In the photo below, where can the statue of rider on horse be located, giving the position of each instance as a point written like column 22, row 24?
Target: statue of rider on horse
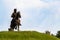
column 15, row 23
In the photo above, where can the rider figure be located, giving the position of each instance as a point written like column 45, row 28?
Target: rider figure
column 15, row 19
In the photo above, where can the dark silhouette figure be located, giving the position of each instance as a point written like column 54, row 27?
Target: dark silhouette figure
column 15, row 20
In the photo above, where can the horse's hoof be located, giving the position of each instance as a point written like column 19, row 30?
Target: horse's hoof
column 10, row 29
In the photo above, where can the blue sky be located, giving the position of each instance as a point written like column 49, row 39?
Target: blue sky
column 38, row 15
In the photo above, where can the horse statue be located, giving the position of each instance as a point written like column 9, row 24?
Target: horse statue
column 15, row 23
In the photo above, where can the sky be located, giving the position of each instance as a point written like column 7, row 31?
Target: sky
column 37, row 15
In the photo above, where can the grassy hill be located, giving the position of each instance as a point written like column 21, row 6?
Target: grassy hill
column 25, row 35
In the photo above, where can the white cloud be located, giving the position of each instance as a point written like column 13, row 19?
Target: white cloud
column 25, row 3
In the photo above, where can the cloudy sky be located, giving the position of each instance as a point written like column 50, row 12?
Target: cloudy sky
column 38, row 15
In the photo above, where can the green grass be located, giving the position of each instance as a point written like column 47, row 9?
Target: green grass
column 25, row 35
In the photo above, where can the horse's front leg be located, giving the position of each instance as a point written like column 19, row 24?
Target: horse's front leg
column 18, row 27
